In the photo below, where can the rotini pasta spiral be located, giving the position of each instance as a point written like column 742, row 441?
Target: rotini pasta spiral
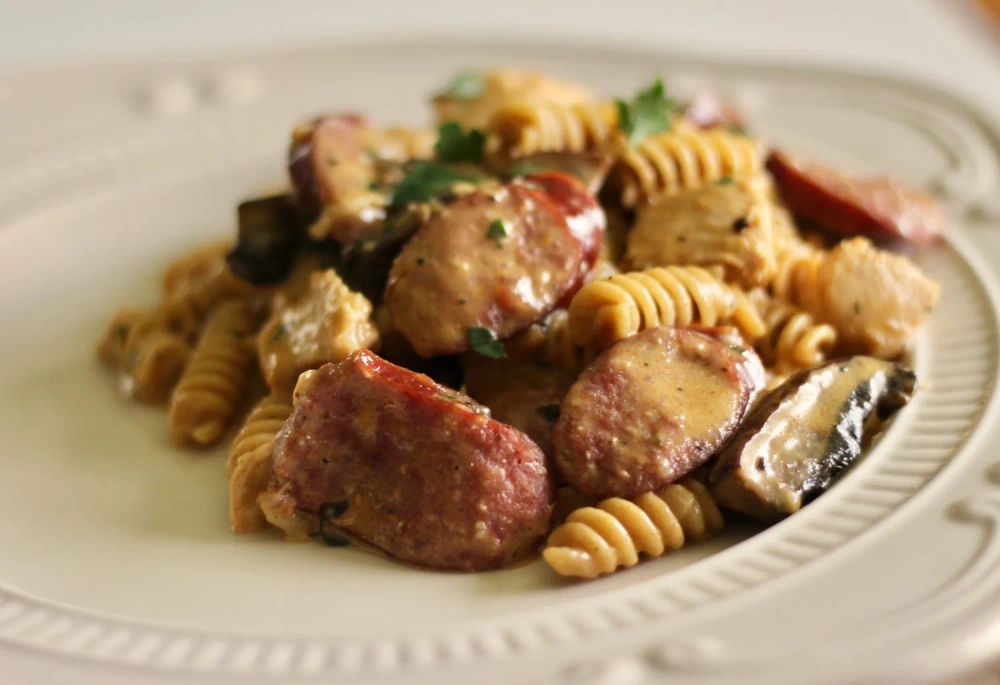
column 213, row 385
column 193, row 286
column 604, row 312
column 149, row 357
column 796, row 276
column 249, row 464
column 597, row 540
column 794, row 339
column 681, row 159
column 494, row 89
column 526, row 127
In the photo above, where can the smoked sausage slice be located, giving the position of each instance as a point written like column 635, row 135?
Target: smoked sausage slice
column 879, row 208
column 414, row 468
column 651, row 409
column 498, row 258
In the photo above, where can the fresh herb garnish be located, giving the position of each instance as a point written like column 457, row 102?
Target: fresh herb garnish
column 549, row 412
column 738, row 348
column 464, row 86
column 647, row 113
column 497, row 231
column 738, row 129
column 455, row 145
column 121, row 332
column 328, row 511
column 725, row 181
column 448, row 396
column 485, row 343
column 658, row 441
column 424, row 181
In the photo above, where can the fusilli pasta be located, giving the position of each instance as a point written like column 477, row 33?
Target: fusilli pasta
column 604, row 312
column 597, row 540
column 491, row 90
column 526, row 127
column 794, row 339
column 212, row 387
column 193, row 286
column 681, row 159
column 149, row 357
column 249, row 464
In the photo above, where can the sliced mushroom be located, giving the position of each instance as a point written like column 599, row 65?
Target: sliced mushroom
column 805, row 433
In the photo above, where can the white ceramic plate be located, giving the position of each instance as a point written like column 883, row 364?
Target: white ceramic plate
column 116, row 561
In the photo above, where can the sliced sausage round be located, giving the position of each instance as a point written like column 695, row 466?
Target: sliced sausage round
column 415, row 469
column 651, row 409
column 878, row 208
column 327, row 160
column 583, row 214
column 498, row 259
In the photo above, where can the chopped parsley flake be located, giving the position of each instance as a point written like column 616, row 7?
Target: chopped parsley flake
column 647, row 113
column 485, row 343
column 738, row 129
column 465, row 85
column 328, row 511
column 455, row 145
column 121, row 332
column 725, row 181
column 424, row 181
column 738, row 348
column 549, row 412
column 497, row 231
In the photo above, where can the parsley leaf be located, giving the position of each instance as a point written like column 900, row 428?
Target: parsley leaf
column 497, row 231
column 647, row 113
column 424, row 181
column 465, row 85
column 549, row 412
column 725, row 181
column 328, row 511
column 483, row 341
column 455, row 145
